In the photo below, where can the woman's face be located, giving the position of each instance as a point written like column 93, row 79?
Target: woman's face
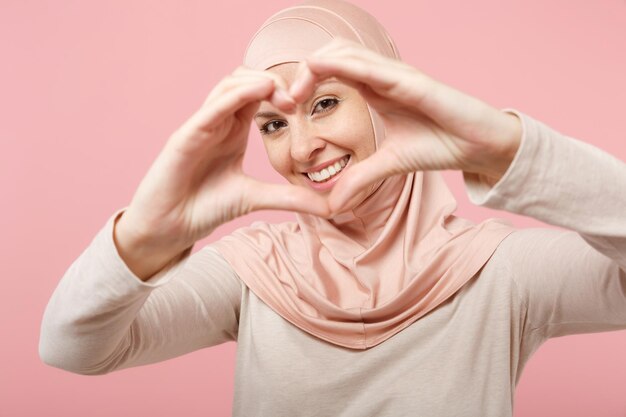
column 314, row 144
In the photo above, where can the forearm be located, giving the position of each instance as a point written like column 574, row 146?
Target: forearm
column 564, row 182
column 102, row 318
column 86, row 324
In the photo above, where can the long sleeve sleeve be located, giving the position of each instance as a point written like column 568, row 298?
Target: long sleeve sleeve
column 101, row 317
column 571, row 281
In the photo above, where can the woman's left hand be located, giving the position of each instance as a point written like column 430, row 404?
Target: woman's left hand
column 429, row 125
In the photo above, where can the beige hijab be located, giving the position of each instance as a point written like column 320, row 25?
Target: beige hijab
column 317, row 273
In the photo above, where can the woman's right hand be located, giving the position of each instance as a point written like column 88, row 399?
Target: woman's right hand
column 197, row 182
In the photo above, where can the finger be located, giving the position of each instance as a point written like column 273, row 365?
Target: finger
column 215, row 111
column 280, row 98
column 265, row 196
column 351, row 62
column 306, row 81
column 229, row 83
column 464, row 115
column 359, row 177
column 460, row 113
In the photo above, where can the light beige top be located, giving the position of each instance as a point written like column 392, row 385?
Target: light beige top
column 463, row 358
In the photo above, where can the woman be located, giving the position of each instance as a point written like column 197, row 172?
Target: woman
column 377, row 300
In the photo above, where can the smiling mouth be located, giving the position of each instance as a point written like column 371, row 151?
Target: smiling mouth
column 329, row 172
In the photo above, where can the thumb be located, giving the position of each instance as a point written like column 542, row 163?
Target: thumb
column 266, row 196
column 359, row 177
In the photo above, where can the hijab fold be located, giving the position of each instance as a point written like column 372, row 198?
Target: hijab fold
column 362, row 276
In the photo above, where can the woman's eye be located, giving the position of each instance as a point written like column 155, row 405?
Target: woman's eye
column 326, row 104
column 266, row 128
column 274, row 126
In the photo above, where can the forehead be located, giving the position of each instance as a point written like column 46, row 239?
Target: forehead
column 287, row 70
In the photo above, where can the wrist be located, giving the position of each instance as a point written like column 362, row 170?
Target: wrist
column 502, row 156
column 143, row 256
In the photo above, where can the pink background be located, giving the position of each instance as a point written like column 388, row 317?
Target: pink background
column 90, row 91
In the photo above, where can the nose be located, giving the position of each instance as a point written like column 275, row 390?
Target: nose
column 305, row 145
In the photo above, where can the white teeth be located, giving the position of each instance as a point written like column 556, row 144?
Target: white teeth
column 329, row 171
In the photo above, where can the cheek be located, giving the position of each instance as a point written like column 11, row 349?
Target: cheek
column 371, row 142
column 366, row 149
column 362, row 140
column 361, row 130
column 278, row 156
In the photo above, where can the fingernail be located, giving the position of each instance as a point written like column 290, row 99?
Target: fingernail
column 285, row 97
column 297, row 84
column 295, row 87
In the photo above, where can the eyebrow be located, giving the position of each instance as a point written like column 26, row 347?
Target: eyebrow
column 268, row 114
